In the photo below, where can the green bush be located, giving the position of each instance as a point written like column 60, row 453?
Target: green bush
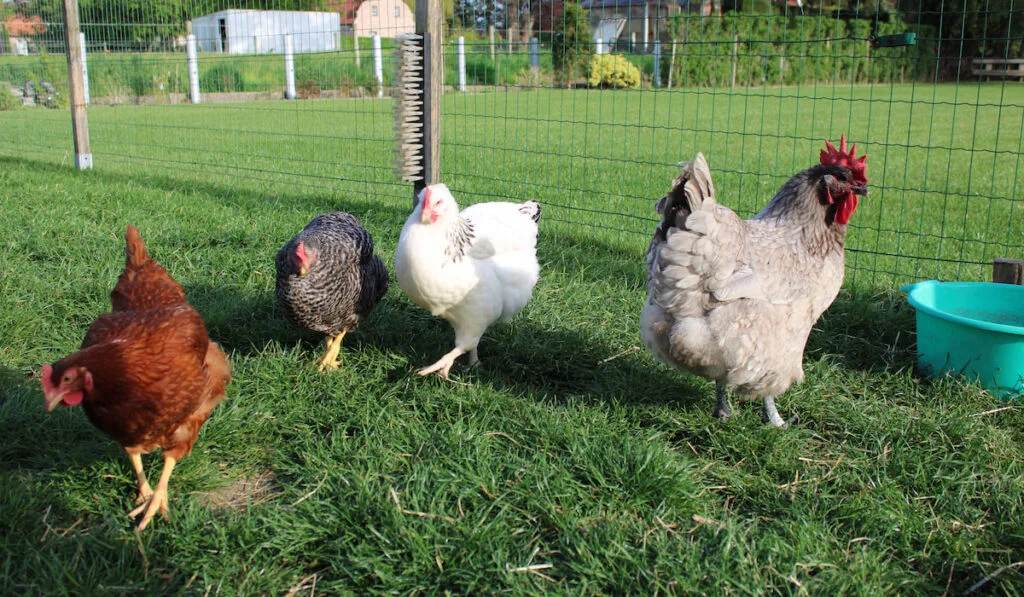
column 777, row 50
column 223, row 78
column 8, row 101
column 613, row 71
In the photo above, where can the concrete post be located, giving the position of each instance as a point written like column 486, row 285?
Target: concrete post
column 378, row 65
column 461, row 52
column 193, row 68
column 657, row 63
column 647, row 25
column 289, row 68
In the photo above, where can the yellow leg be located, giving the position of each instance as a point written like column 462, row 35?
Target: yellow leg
column 145, row 491
column 330, row 360
column 157, row 501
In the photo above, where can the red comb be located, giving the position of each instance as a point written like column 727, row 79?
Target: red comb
column 842, row 157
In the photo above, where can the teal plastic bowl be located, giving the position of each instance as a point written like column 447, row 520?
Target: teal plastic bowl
column 973, row 329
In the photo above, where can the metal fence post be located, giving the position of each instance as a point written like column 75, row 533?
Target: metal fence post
column 378, row 65
column 461, row 50
column 490, row 33
column 657, row 63
column 534, row 54
column 85, row 69
column 599, row 48
column 76, row 84
column 289, row 68
column 193, row 68
column 355, row 39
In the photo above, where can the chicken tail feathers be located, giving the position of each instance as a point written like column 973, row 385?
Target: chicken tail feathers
column 691, row 190
column 135, row 249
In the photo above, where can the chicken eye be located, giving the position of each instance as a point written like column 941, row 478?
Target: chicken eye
column 67, row 378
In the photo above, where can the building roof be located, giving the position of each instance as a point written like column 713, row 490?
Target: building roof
column 346, row 8
column 18, row 26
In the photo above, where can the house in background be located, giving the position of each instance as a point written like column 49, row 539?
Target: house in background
column 262, row 31
column 363, row 18
column 20, row 31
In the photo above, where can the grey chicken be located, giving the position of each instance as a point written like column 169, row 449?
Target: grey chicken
column 734, row 300
column 328, row 279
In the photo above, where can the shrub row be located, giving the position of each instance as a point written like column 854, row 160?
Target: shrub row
column 795, row 50
column 769, row 51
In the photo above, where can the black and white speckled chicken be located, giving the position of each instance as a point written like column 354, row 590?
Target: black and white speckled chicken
column 328, row 279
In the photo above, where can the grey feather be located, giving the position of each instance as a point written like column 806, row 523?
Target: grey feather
column 342, row 286
column 735, row 300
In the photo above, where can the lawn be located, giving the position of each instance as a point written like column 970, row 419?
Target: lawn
column 569, row 462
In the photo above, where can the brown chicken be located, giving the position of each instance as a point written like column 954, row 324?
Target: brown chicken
column 734, row 300
column 146, row 373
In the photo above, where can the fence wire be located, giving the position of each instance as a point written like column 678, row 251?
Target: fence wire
column 586, row 107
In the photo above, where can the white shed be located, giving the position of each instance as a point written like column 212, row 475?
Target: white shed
column 262, row 31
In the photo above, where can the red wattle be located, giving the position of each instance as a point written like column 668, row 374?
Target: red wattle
column 845, row 209
column 72, row 398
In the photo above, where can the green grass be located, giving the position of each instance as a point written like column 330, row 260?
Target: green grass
column 569, row 462
column 945, row 161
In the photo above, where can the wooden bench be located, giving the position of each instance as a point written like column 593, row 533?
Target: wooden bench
column 999, row 67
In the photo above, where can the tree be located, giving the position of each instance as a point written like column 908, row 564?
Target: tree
column 969, row 29
column 571, row 47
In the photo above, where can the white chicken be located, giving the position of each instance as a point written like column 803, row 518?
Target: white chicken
column 472, row 267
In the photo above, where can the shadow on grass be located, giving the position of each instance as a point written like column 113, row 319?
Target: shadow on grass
column 865, row 330
column 35, row 440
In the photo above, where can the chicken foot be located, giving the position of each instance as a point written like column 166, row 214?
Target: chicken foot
column 445, row 363
column 772, row 414
column 145, row 491
column 330, row 360
column 722, row 409
column 158, row 500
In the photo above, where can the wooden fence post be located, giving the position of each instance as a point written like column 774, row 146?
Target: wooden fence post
column 1008, row 271
column 76, row 83
column 429, row 24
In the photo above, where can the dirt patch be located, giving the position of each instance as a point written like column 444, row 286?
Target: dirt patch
column 242, row 493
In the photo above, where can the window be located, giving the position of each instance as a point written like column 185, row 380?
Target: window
column 373, row 10
column 396, row 11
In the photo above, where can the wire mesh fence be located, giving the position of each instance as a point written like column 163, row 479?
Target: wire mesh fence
column 585, row 107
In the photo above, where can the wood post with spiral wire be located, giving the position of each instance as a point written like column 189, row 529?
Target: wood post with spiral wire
column 430, row 24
